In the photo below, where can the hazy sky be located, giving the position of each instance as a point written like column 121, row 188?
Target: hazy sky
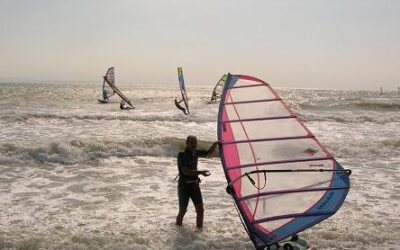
column 292, row 43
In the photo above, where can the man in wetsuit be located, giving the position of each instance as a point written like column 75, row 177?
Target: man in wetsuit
column 122, row 105
column 188, row 186
column 105, row 97
column 214, row 96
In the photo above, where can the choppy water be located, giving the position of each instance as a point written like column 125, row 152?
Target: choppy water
column 76, row 174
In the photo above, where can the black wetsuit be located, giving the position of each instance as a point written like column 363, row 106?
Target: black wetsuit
column 122, row 106
column 188, row 186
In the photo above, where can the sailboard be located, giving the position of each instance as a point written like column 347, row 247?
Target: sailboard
column 282, row 179
column 106, row 90
column 219, row 87
column 109, row 78
column 184, row 99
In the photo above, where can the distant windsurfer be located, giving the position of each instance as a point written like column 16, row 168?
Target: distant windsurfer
column 122, row 105
column 105, row 97
column 189, row 182
column 214, row 96
column 177, row 104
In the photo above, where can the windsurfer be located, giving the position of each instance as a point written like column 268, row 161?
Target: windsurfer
column 188, row 184
column 105, row 97
column 122, row 105
column 214, row 96
column 177, row 104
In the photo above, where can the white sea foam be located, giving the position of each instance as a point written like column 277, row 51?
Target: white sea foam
column 76, row 174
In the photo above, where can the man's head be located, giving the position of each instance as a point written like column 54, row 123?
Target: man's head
column 191, row 143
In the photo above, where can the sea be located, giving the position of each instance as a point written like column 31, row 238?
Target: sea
column 78, row 174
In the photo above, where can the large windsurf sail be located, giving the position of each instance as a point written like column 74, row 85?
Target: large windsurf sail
column 282, row 179
column 219, row 87
column 184, row 99
column 110, row 80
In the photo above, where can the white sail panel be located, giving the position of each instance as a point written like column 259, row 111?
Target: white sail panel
column 276, row 129
column 257, row 110
column 254, row 93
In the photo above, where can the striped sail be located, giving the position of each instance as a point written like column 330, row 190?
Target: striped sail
column 282, row 178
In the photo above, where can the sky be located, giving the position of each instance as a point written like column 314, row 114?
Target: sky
column 341, row 44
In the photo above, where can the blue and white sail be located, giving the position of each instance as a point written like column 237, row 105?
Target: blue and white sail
column 182, row 88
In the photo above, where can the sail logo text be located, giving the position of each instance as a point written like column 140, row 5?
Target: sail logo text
column 326, row 201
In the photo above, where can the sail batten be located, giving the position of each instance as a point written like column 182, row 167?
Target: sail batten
column 247, row 86
column 260, row 119
column 283, row 180
column 269, row 139
column 291, row 191
column 279, row 162
column 244, row 102
column 290, row 216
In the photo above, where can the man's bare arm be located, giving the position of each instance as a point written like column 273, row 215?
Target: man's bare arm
column 189, row 172
column 212, row 149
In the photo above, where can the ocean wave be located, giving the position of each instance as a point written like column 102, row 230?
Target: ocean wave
column 341, row 118
column 367, row 149
column 303, row 114
column 345, row 104
column 104, row 117
column 389, row 105
column 76, row 151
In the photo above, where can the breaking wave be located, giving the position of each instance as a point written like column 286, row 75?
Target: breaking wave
column 75, row 151
column 367, row 149
column 337, row 117
column 346, row 104
column 99, row 117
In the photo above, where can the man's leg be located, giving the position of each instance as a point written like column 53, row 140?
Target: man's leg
column 198, row 204
column 183, row 197
column 199, row 215
column 179, row 218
